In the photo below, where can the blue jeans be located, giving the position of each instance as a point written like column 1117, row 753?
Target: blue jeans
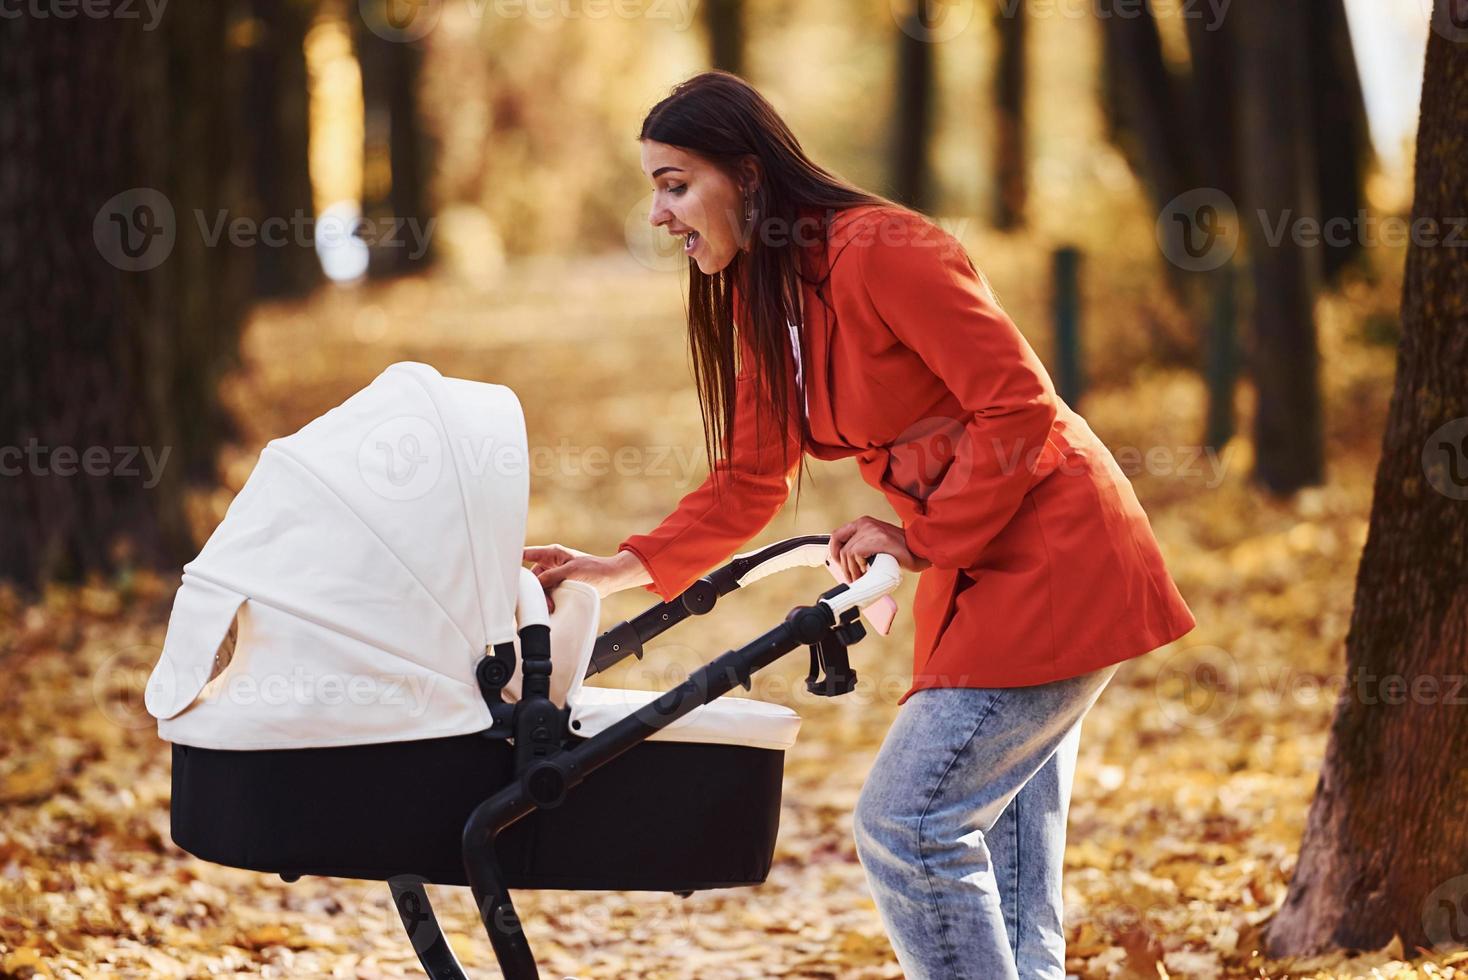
column 960, row 827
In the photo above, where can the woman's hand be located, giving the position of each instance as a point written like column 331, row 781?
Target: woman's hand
column 852, row 544
column 554, row 563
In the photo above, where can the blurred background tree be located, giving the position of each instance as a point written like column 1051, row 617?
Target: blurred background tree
column 494, row 137
column 1280, row 159
column 724, row 22
column 1011, row 157
column 279, row 132
column 396, row 158
column 913, row 118
column 118, row 318
column 1055, row 140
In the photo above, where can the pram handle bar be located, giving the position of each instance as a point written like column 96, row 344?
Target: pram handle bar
column 809, row 551
column 882, row 577
column 806, row 551
column 544, row 780
column 546, row 783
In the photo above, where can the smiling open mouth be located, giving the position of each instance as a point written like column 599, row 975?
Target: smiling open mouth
column 690, row 242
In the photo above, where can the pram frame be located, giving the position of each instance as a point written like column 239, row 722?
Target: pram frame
column 543, row 781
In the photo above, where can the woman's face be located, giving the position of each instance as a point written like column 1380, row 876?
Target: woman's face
column 697, row 202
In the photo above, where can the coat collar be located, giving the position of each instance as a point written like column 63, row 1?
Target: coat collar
column 817, row 251
column 819, row 325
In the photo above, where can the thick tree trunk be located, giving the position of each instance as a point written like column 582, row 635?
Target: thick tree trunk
column 1011, row 162
column 724, row 22
column 279, row 137
column 62, row 154
column 118, row 315
column 199, row 297
column 1278, row 191
column 912, row 129
column 1386, row 846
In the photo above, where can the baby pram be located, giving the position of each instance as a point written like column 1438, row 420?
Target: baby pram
column 360, row 680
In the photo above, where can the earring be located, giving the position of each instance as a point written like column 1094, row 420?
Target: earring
column 748, row 208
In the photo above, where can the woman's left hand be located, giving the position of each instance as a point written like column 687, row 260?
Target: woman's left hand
column 852, row 544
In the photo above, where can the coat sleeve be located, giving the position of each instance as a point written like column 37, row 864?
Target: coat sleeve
column 925, row 289
column 705, row 528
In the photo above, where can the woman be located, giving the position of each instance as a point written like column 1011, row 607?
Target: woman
column 864, row 331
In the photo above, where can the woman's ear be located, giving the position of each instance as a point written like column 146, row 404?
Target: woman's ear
column 750, row 174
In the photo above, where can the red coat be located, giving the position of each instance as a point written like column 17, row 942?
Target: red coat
column 1044, row 563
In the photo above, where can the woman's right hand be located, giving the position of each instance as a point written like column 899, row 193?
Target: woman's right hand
column 552, row 564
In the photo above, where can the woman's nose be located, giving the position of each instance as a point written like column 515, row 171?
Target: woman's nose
column 659, row 216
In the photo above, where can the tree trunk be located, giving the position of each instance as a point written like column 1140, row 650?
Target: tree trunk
column 394, row 161
column 1341, row 136
column 724, row 21
column 279, row 136
column 1213, row 105
column 913, row 124
column 1278, row 191
column 118, row 315
column 1149, row 126
column 1152, row 129
column 1386, row 846
column 200, row 296
column 1011, row 162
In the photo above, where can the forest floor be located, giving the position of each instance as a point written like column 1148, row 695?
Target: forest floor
column 1196, row 767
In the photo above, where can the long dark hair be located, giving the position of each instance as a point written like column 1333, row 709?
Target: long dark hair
column 721, row 117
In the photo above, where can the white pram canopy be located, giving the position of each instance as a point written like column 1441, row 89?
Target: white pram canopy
column 364, row 570
column 371, row 558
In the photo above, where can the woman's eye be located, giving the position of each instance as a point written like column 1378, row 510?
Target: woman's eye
column 679, row 189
